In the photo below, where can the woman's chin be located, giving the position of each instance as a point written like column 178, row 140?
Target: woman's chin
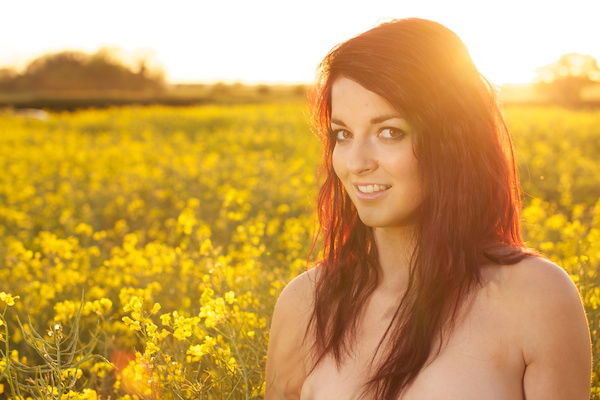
column 375, row 221
column 386, row 221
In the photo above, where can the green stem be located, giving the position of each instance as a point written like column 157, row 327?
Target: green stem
column 7, row 357
column 241, row 362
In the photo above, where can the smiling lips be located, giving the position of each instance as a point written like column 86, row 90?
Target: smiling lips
column 370, row 188
column 371, row 191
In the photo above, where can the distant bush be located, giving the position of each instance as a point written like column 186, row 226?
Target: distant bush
column 263, row 89
column 563, row 81
column 77, row 71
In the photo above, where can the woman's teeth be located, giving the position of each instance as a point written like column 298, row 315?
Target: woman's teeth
column 373, row 188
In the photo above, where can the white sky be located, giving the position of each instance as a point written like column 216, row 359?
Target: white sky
column 278, row 40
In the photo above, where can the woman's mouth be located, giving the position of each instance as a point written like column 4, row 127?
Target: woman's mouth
column 371, row 191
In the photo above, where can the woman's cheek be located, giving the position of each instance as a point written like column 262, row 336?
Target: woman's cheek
column 335, row 161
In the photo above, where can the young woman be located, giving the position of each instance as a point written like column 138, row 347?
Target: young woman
column 425, row 290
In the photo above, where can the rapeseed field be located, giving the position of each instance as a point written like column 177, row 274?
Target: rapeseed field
column 143, row 248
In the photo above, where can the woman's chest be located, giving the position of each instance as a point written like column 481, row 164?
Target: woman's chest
column 481, row 360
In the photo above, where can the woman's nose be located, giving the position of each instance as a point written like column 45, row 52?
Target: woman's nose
column 361, row 158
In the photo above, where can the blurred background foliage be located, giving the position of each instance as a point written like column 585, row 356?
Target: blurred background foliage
column 566, row 80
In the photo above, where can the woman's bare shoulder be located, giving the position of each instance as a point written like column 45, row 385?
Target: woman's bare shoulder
column 552, row 329
column 537, row 278
column 529, row 276
column 300, row 290
column 286, row 362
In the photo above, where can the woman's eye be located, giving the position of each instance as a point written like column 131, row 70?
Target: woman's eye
column 338, row 134
column 393, row 133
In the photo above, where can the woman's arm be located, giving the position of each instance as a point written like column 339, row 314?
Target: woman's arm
column 554, row 332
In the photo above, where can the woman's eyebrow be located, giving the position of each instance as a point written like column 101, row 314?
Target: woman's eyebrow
column 375, row 120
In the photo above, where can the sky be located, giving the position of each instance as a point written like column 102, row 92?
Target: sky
column 274, row 41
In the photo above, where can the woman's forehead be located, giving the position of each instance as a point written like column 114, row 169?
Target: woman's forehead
column 351, row 100
column 349, row 94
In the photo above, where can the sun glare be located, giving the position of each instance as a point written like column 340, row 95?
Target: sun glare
column 260, row 42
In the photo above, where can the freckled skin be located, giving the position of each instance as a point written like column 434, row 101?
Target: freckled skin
column 369, row 153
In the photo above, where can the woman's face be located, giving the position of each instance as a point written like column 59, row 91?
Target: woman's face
column 374, row 146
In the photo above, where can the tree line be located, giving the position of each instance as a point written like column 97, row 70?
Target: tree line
column 563, row 81
column 78, row 71
column 71, row 71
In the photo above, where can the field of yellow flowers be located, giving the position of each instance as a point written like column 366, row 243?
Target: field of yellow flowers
column 143, row 248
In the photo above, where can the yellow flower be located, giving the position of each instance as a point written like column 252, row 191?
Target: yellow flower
column 101, row 368
column 155, row 308
column 165, row 319
column 183, row 327
column 232, row 363
column 65, row 310
column 205, row 246
column 135, row 325
column 99, row 307
column 151, row 348
column 230, row 297
column 195, row 350
column 8, row 299
column 84, row 229
column 71, row 372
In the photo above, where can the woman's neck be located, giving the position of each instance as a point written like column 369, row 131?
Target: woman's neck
column 394, row 246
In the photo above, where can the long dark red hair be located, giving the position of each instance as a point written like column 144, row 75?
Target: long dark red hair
column 471, row 205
